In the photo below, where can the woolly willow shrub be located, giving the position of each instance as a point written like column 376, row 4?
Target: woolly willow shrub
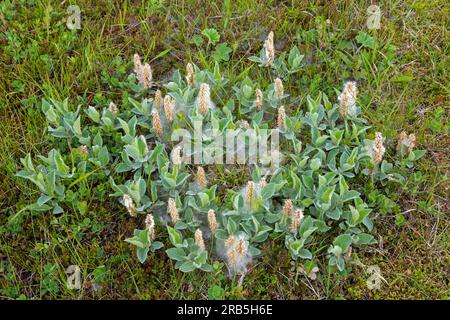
column 315, row 201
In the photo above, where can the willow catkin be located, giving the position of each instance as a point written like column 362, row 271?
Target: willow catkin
column 173, row 212
column 347, row 98
column 343, row 105
column 269, row 49
column 190, row 74
column 229, row 243
column 112, row 108
column 288, row 207
column 212, row 221
column 169, row 106
column 204, row 99
column 241, row 248
column 377, row 149
column 158, row 102
column 199, row 239
column 129, row 205
column 146, row 77
column 281, row 120
column 232, row 258
column 297, row 217
column 250, row 192
column 201, row 177
column 176, row 156
column 150, row 225
column 137, row 66
column 157, row 126
column 350, row 91
column 279, row 89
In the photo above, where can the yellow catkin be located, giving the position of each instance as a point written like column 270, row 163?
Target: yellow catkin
column 378, row 149
column 204, row 99
column 169, row 104
column 201, row 177
column 199, row 239
column 150, row 225
column 279, row 89
column 250, row 192
column 173, row 212
column 158, row 99
column 146, row 79
column 229, row 243
column 259, row 100
column 288, row 207
column 129, row 205
column 157, row 126
column 297, row 217
column 281, row 118
column 212, row 221
column 232, row 258
column 269, row 49
column 241, row 248
column 190, row 74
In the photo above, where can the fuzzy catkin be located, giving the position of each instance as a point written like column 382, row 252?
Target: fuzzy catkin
column 297, row 217
column 146, row 77
column 176, row 156
column 190, row 74
column 347, row 98
column 129, row 205
column 199, row 239
column 269, row 49
column 204, row 99
column 169, row 104
column 212, row 221
column 250, row 192
column 158, row 99
column 113, row 108
column 150, row 225
column 288, row 207
column 137, row 66
column 157, row 126
column 281, row 118
column 173, row 212
column 201, row 177
column 279, row 89
column 377, row 149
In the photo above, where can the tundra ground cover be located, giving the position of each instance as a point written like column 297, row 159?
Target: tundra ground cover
column 55, row 63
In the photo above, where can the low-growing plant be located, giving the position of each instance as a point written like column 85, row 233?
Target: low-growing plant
column 321, row 200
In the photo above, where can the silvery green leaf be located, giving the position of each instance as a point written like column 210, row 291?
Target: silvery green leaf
column 176, row 254
column 343, row 241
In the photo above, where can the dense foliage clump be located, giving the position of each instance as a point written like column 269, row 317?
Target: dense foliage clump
column 316, row 199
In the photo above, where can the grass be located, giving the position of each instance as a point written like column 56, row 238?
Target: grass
column 403, row 84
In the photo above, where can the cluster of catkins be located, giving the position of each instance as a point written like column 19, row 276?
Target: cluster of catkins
column 236, row 247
